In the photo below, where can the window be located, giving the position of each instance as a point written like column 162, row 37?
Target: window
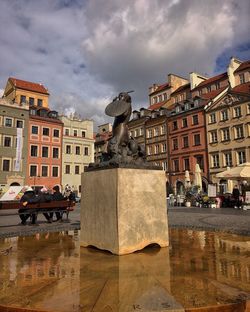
column 150, row 149
column 56, row 133
column 19, row 124
column 45, row 151
column 8, row 122
column 67, row 169
column 224, row 115
column 150, row 133
column 136, row 132
column 176, row 165
column 55, row 152
column 141, row 131
column 68, row 149
column 54, row 171
column 44, row 171
column 77, row 169
column 237, row 111
column 75, row 133
column 157, row 149
column 200, row 161
column 185, row 142
column 78, row 150
column 66, row 131
column 34, row 130
column 39, row 102
column 215, row 161
column 33, row 171
column 239, row 132
column 22, row 99
column 175, row 144
column 154, row 100
column 200, row 92
column 225, row 134
column 217, row 85
column 175, row 125
column 181, row 97
column 31, row 101
column 163, row 127
column 156, row 131
column 33, row 112
column 184, row 122
column 7, row 141
column 6, row 165
column 208, row 89
column 248, row 107
column 195, row 120
column 212, row 118
column 83, row 134
column 164, row 147
column 86, row 151
column 242, row 78
column 45, row 131
column 228, row 159
column 34, row 150
column 213, row 136
column 241, row 157
column 186, row 164
column 197, row 139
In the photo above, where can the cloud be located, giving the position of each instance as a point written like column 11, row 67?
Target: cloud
column 85, row 52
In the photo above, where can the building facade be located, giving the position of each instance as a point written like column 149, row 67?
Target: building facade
column 21, row 91
column 44, row 148
column 77, row 150
column 14, row 119
column 102, row 136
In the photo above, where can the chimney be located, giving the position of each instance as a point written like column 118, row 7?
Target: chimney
column 195, row 79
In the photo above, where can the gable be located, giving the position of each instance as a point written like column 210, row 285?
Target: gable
column 227, row 100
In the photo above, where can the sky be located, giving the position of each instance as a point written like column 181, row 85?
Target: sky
column 87, row 51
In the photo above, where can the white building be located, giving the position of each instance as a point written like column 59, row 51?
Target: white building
column 77, row 151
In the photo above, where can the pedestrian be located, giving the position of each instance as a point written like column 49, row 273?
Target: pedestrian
column 28, row 194
column 57, row 196
column 236, row 196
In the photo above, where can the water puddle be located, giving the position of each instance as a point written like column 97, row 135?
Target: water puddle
column 52, row 273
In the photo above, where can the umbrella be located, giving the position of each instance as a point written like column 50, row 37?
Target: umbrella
column 241, row 172
column 187, row 179
column 197, row 176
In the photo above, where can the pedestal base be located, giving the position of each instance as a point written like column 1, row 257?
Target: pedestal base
column 123, row 210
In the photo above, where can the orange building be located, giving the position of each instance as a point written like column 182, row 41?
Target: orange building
column 45, row 148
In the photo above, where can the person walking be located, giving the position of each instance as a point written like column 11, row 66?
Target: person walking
column 236, row 196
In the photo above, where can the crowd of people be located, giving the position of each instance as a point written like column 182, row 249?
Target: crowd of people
column 44, row 195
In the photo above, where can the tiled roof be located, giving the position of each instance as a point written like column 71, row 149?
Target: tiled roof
column 27, row 85
column 156, row 105
column 161, row 88
column 181, row 88
column 242, row 88
column 212, row 94
column 211, row 80
column 243, row 66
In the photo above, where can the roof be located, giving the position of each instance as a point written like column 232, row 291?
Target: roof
column 161, row 88
column 27, row 85
column 242, row 88
column 211, row 80
column 243, row 66
column 181, row 88
column 156, row 105
column 212, row 94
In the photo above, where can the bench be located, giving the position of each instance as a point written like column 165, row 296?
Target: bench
column 65, row 206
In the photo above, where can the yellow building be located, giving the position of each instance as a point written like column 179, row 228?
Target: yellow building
column 21, row 91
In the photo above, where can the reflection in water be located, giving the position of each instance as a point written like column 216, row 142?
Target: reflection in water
column 51, row 272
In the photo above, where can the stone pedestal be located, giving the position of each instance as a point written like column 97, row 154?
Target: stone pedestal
column 123, row 210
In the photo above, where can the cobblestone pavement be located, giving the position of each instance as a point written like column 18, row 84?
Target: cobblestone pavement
column 223, row 219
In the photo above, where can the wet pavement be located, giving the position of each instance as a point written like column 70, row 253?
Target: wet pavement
column 50, row 272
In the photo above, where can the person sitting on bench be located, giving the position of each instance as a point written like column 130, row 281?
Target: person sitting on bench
column 28, row 194
column 57, row 196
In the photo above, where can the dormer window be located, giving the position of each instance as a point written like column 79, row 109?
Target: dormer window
column 196, row 102
column 186, row 106
column 177, row 109
column 208, row 89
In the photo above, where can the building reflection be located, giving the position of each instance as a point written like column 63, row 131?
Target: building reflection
column 51, row 272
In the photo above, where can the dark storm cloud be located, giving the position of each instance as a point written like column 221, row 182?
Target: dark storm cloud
column 87, row 51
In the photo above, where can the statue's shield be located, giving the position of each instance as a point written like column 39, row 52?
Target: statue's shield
column 117, row 108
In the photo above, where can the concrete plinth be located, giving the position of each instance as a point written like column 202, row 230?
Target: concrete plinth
column 123, row 210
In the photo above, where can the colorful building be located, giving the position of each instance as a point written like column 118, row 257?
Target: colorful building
column 44, row 151
column 77, row 150
column 102, row 136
